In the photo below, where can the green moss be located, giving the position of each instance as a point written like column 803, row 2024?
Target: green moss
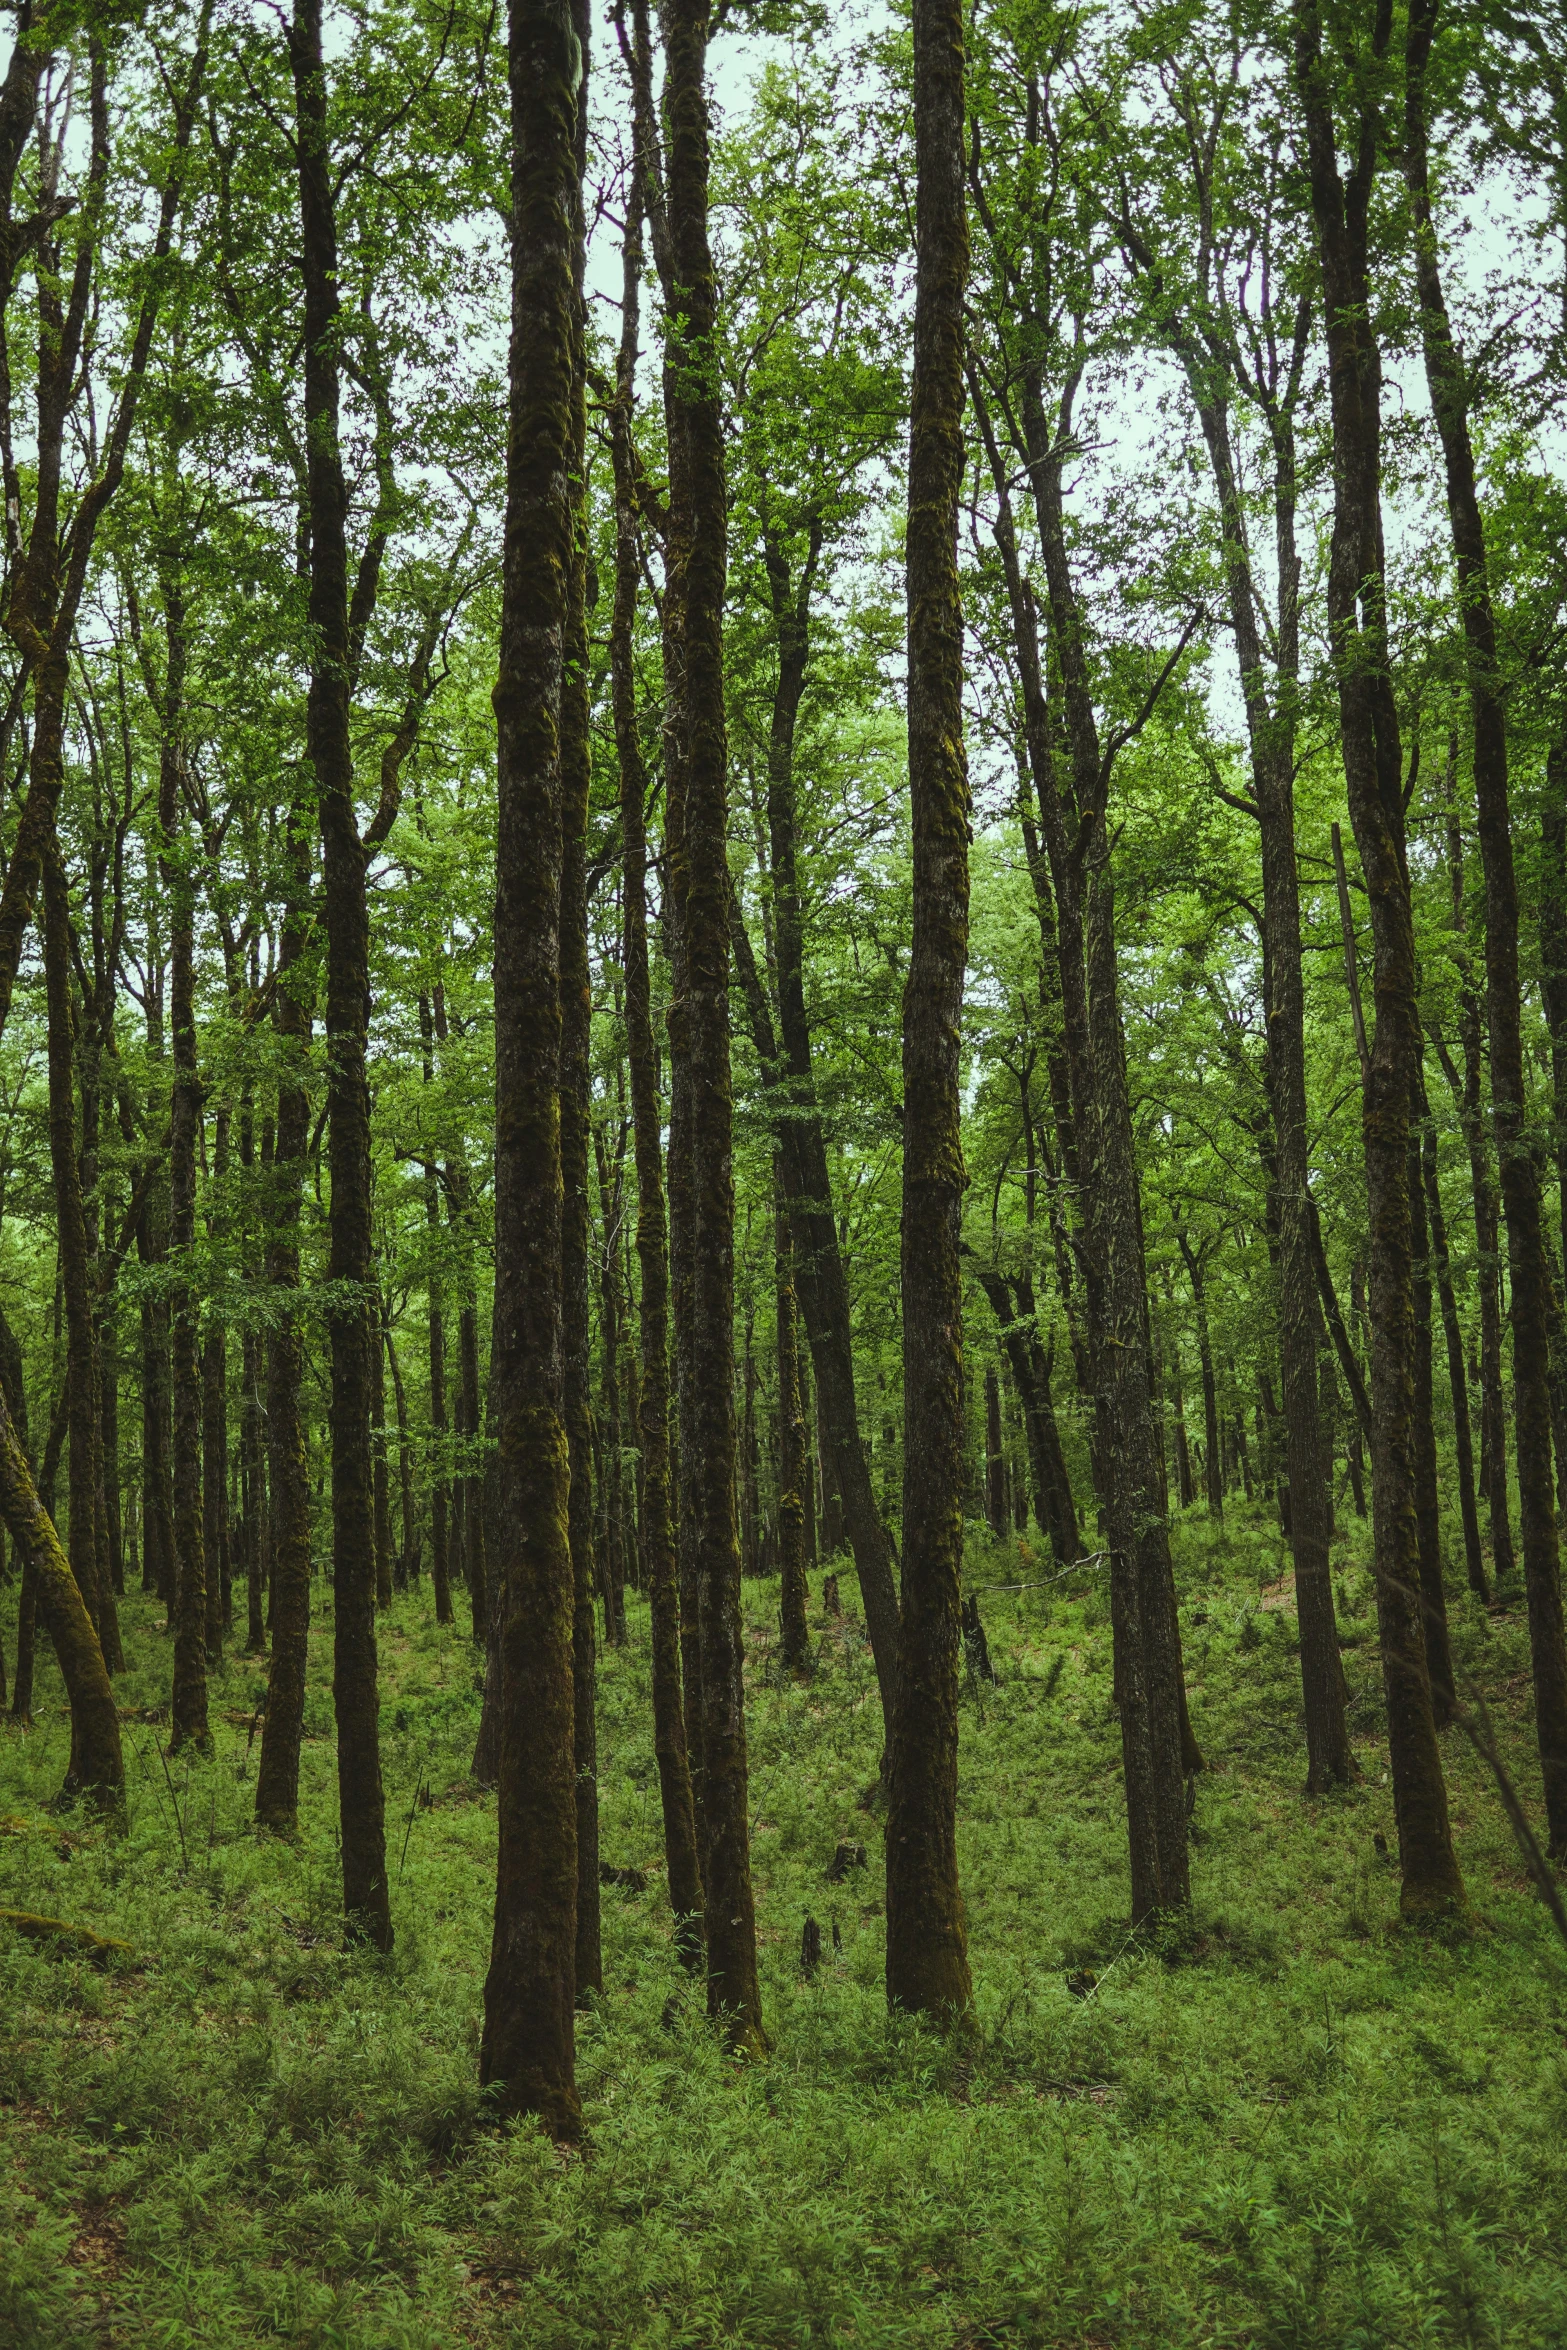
column 1293, row 2123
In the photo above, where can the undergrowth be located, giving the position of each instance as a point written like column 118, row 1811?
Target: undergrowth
column 1292, row 2122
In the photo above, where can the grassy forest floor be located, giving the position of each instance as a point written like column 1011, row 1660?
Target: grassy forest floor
column 1300, row 2125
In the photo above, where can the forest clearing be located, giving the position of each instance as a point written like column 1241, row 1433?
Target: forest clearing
column 783, row 1173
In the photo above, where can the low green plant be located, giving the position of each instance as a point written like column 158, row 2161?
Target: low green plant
column 1289, row 2122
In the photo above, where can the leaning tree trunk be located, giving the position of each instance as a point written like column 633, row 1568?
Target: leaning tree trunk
column 527, row 2055
column 1373, row 774
column 97, row 1769
column 328, row 741
column 927, row 1935
column 1448, row 382
column 75, row 1271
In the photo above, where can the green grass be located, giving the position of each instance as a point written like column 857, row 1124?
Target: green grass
column 1295, row 2124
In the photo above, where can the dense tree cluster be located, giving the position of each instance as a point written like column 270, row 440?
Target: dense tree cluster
column 547, row 624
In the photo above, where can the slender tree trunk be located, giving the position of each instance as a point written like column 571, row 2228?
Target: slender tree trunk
column 927, row 1935
column 1373, row 774
column 1183, row 1450
column 470, row 1488
column 1553, row 958
column 109, row 1425
column 76, row 1277
column 995, row 1487
column 277, row 1776
column 821, row 1282
column 408, row 1554
column 1213, row 1468
column 699, row 876
column 612, row 1567
column 440, row 1568
column 1452, row 1334
column 1428, row 1524
column 576, row 1012
column 1528, row 1261
column 527, row 2052
column 381, row 1483
column 793, row 1628
column 658, row 1572
column 253, row 1482
column 361, row 1802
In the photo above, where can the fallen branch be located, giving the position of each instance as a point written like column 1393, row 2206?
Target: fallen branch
column 98, row 1947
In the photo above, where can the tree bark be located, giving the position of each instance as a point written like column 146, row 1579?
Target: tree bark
column 793, row 1628
column 440, row 1567
column 97, row 1768
column 995, row 1478
column 576, row 1009
column 927, row 1934
column 329, row 746
column 1428, row 1524
column 527, row 2052
column 277, row 1776
column 658, row 1570
column 1528, row 1262
column 699, row 877
column 1373, row 775
column 821, row 1284
column 75, row 1272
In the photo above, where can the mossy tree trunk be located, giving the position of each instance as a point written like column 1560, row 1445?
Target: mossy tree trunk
column 527, row 2054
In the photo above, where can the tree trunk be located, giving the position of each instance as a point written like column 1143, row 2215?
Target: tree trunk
column 1528, row 1263
column 440, row 1567
column 527, row 2051
column 792, row 1466
column 995, row 1484
column 612, row 1565
column 97, row 1769
column 277, row 1776
column 699, row 879
column 1213, row 1464
column 76, row 1276
column 1463, row 1438
column 408, row 1553
column 1428, row 1524
column 329, row 746
column 576, row 1007
column 381, row 1484
column 821, row 1283
column 927, row 1935
column 658, row 1573
column 1373, row 774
